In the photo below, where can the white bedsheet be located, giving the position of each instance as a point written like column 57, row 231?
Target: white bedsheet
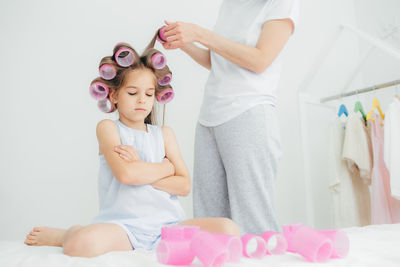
column 377, row 245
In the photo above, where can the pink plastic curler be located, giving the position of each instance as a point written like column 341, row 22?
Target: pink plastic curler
column 288, row 232
column 159, row 61
column 98, row 90
column 233, row 244
column 105, row 105
column 312, row 245
column 210, row 251
column 107, row 71
column 276, row 243
column 261, row 249
column 165, row 96
column 124, row 57
column 340, row 242
column 165, row 80
column 174, row 247
column 160, row 35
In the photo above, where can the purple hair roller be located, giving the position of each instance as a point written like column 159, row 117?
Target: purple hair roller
column 124, row 57
column 165, row 80
column 107, row 71
column 159, row 61
column 165, row 96
column 160, row 35
column 98, row 90
column 105, row 105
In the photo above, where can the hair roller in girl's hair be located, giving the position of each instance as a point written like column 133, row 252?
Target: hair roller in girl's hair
column 155, row 59
column 158, row 60
column 105, row 105
column 165, row 80
column 98, row 90
column 165, row 94
column 107, row 69
column 124, row 55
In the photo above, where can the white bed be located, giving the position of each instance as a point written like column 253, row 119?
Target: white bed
column 377, row 245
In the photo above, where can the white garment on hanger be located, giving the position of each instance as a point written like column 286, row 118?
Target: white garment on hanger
column 350, row 199
column 357, row 154
column 392, row 146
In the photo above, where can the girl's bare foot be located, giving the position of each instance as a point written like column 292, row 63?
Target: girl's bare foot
column 45, row 236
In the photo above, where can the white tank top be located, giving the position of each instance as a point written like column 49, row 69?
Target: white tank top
column 141, row 207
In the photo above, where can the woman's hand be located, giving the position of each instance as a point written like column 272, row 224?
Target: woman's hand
column 179, row 34
column 128, row 153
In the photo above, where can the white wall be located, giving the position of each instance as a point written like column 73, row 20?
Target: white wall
column 50, row 51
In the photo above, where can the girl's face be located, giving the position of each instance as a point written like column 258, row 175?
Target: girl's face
column 135, row 98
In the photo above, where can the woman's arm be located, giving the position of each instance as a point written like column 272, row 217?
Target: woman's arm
column 178, row 184
column 273, row 37
column 135, row 172
column 200, row 55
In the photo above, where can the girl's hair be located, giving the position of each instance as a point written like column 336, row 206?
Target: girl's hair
column 144, row 61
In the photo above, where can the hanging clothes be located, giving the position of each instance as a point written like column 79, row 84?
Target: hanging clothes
column 357, row 154
column 384, row 208
column 392, row 146
column 350, row 172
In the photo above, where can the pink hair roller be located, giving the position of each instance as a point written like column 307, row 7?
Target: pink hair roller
column 165, row 96
column 261, row 249
column 105, row 105
column 165, row 80
column 159, row 61
column 98, row 90
column 234, row 245
column 174, row 247
column 288, row 232
column 124, row 57
column 210, row 251
column 107, row 72
column 160, row 35
column 312, row 245
column 340, row 242
column 276, row 243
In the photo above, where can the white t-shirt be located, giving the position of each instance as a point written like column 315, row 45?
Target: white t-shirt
column 230, row 89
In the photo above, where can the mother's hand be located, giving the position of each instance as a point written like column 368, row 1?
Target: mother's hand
column 178, row 34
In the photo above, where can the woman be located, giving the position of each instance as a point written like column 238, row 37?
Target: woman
column 237, row 144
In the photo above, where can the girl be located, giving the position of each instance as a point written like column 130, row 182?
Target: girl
column 141, row 168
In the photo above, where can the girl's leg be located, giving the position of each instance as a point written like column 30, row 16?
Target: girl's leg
column 215, row 225
column 95, row 239
column 210, row 193
column 82, row 241
column 45, row 236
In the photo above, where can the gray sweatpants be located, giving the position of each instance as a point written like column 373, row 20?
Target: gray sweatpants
column 235, row 167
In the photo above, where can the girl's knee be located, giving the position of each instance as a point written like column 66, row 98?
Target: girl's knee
column 81, row 244
column 229, row 227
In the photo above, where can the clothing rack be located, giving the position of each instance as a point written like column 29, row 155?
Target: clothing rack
column 360, row 91
column 306, row 98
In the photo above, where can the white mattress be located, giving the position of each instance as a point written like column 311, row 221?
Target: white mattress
column 377, row 245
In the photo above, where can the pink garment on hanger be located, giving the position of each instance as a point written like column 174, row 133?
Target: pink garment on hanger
column 384, row 208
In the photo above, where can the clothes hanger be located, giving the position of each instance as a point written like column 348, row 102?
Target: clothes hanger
column 359, row 108
column 343, row 110
column 375, row 104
